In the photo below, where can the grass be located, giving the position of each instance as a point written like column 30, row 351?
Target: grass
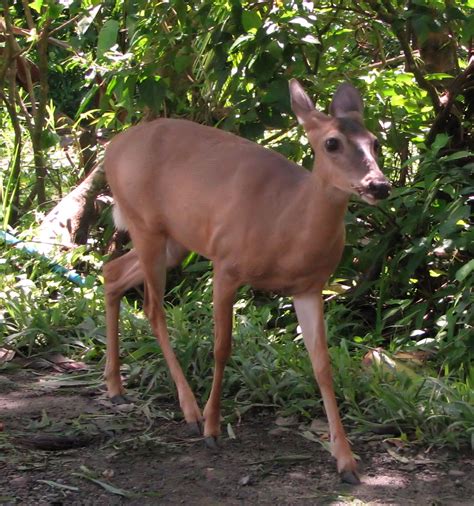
column 432, row 403
column 269, row 367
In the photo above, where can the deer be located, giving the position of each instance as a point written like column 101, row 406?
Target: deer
column 261, row 219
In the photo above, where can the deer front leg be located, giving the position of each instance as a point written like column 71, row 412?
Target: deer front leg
column 309, row 310
column 223, row 299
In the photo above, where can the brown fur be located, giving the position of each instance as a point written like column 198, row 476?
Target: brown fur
column 261, row 219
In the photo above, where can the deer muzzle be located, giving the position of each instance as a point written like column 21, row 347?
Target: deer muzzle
column 379, row 189
column 373, row 190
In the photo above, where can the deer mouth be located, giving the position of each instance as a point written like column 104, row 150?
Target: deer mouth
column 373, row 191
column 366, row 196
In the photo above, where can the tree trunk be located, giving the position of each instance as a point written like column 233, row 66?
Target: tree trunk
column 67, row 225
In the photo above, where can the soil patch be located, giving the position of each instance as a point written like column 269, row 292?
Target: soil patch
column 63, row 443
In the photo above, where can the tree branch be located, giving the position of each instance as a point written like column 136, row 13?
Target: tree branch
column 40, row 166
column 452, row 92
column 28, row 16
column 68, row 222
column 386, row 13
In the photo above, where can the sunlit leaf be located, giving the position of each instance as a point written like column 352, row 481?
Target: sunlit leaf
column 465, row 270
column 85, row 22
column 36, row 5
column 251, row 21
column 107, row 36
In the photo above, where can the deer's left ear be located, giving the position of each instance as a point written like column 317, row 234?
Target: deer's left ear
column 347, row 99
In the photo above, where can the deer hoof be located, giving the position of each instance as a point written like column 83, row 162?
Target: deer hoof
column 212, row 443
column 120, row 399
column 194, row 428
column 350, row 477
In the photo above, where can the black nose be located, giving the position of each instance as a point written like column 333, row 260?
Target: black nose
column 379, row 189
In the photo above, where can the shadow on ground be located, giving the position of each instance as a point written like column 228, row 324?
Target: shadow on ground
column 63, row 443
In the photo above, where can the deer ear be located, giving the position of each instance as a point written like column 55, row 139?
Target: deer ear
column 347, row 99
column 301, row 104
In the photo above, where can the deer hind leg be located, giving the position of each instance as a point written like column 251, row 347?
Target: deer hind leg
column 309, row 309
column 120, row 275
column 223, row 299
column 152, row 252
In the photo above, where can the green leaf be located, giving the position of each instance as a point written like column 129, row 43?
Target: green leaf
column 456, row 156
column 240, row 41
column 277, row 93
column 49, row 139
column 152, row 92
column 465, row 270
column 54, row 10
column 440, row 141
column 398, row 100
column 182, row 62
column 453, row 13
column 251, row 21
column 107, row 36
column 468, row 28
column 36, row 5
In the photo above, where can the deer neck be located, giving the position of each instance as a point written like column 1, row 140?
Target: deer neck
column 314, row 227
column 327, row 206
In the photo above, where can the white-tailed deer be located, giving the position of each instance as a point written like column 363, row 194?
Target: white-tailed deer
column 262, row 220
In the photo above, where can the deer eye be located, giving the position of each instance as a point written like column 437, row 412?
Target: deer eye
column 376, row 146
column 332, row 144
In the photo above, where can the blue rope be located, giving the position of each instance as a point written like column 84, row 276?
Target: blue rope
column 70, row 275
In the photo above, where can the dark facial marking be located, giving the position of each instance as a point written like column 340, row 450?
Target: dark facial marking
column 349, row 126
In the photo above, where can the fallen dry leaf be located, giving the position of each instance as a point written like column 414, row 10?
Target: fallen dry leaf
column 6, row 355
column 319, row 426
column 396, row 456
column 286, row 421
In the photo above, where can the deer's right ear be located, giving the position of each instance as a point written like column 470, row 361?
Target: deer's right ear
column 346, row 100
column 301, row 104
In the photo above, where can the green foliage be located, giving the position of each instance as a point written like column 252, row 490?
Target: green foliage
column 39, row 310
column 420, row 243
column 269, row 366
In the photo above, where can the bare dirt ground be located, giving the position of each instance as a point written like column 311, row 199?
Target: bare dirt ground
column 63, row 443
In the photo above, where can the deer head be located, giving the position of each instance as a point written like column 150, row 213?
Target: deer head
column 345, row 151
